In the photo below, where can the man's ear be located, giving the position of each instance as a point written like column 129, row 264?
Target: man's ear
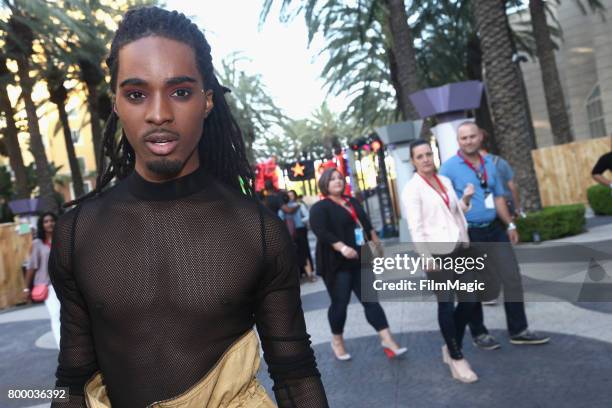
column 208, row 95
column 115, row 109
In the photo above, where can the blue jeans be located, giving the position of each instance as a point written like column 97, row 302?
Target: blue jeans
column 502, row 266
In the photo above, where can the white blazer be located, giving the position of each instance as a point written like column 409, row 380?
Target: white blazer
column 435, row 229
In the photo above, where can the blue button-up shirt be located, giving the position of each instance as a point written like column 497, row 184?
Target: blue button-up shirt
column 461, row 174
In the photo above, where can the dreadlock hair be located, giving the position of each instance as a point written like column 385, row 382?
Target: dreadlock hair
column 221, row 147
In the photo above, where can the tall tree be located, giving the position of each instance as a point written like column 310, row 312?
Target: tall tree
column 254, row 109
column 10, row 132
column 348, row 26
column 553, row 90
column 507, row 105
column 402, row 45
column 20, row 39
column 58, row 96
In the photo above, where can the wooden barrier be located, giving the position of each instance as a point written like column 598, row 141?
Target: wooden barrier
column 14, row 250
column 564, row 171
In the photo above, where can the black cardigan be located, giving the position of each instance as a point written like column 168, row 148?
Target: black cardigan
column 332, row 223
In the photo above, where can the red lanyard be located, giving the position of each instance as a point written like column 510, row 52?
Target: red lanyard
column 482, row 166
column 442, row 194
column 350, row 209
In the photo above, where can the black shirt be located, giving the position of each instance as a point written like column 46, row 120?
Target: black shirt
column 332, row 223
column 604, row 163
column 157, row 280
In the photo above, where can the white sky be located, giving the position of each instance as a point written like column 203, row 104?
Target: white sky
column 278, row 52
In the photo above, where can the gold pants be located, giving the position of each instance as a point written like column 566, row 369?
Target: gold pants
column 231, row 383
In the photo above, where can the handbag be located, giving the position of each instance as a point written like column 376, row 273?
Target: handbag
column 40, row 292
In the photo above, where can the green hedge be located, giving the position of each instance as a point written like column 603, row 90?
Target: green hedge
column 600, row 199
column 552, row 222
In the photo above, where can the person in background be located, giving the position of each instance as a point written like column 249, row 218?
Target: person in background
column 506, row 175
column 37, row 269
column 491, row 232
column 604, row 163
column 341, row 226
column 297, row 225
column 438, row 228
column 305, row 214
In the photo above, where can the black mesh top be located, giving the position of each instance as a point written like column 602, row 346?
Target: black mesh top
column 157, row 280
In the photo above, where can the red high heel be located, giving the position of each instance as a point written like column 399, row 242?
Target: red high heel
column 391, row 354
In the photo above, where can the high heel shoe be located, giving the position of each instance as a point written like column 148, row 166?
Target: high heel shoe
column 462, row 374
column 342, row 357
column 391, row 353
column 445, row 356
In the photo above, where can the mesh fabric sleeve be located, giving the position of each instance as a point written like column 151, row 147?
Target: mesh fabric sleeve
column 281, row 326
column 77, row 359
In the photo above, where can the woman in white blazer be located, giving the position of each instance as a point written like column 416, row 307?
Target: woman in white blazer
column 438, row 228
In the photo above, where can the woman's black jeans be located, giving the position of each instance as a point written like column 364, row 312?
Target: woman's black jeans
column 454, row 319
column 345, row 281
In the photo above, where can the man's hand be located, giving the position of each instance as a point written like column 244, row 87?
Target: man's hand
column 468, row 192
column 513, row 236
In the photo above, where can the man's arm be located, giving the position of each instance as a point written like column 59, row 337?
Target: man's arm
column 504, row 214
column 280, row 322
column 77, row 357
column 604, row 163
column 601, row 179
column 516, row 198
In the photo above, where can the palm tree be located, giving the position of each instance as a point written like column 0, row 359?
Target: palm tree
column 254, row 109
column 19, row 42
column 504, row 91
column 402, row 45
column 553, row 91
column 10, row 133
column 58, row 96
column 331, row 16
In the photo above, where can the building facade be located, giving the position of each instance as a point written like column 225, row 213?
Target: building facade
column 584, row 60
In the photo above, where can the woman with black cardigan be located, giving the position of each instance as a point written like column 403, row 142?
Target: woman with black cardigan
column 340, row 224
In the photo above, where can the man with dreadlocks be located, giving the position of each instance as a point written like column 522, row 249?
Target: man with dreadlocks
column 163, row 276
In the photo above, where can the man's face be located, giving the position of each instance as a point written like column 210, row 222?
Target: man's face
column 469, row 138
column 162, row 106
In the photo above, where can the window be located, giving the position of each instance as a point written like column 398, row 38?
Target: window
column 595, row 114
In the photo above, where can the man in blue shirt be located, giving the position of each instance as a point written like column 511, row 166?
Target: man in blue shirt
column 489, row 235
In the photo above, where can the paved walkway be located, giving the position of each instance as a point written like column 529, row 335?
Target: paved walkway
column 573, row 371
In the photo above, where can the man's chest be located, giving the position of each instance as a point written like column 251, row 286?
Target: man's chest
column 183, row 264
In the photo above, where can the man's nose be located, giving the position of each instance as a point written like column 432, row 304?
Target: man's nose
column 160, row 111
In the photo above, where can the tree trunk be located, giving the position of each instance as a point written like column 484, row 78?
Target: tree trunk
column 11, row 140
column 92, row 76
column 555, row 100
column 20, row 50
column 505, row 97
column 474, row 72
column 58, row 97
column 402, row 45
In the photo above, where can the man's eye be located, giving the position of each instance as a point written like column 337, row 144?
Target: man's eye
column 182, row 93
column 135, row 95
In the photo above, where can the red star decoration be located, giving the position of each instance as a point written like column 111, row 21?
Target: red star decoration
column 298, row 170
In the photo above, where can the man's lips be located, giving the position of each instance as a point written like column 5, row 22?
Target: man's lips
column 161, row 144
